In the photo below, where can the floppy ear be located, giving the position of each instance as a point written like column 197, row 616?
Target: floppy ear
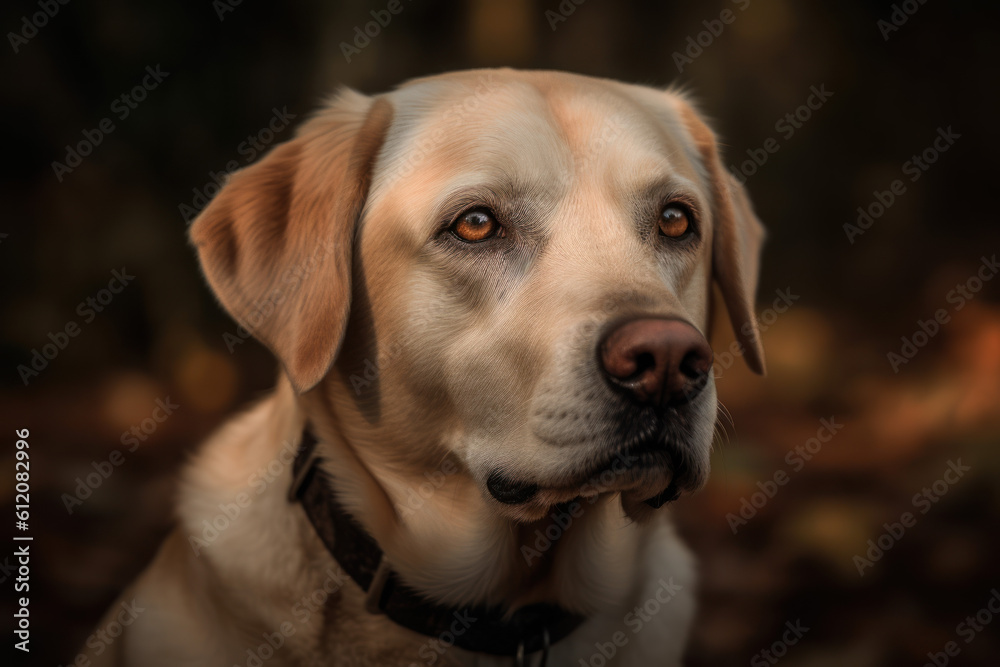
column 736, row 242
column 276, row 244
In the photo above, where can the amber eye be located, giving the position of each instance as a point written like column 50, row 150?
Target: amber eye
column 674, row 221
column 476, row 225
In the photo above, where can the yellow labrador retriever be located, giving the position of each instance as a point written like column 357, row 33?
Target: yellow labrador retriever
column 489, row 292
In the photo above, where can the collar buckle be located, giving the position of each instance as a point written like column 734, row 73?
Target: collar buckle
column 373, row 598
column 519, row 656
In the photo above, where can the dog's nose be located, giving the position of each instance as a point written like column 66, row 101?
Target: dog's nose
column 657, row 362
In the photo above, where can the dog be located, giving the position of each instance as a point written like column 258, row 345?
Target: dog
column 490, row 294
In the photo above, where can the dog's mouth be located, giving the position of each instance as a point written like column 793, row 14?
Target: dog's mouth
column 650, row 460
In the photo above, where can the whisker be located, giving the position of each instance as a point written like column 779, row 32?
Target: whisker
column 724, row 436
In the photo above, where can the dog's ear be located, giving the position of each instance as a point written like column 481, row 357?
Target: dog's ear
column 737, row 238
column 276, row 243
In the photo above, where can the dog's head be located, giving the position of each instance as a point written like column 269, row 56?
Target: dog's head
column 509, row 270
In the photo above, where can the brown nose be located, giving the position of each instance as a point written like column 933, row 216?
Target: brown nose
column 657, row 361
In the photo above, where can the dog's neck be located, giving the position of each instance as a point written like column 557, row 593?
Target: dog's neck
column 445, row 540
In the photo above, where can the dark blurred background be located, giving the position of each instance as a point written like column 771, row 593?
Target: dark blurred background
column 225, row 69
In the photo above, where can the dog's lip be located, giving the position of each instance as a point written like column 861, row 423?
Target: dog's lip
column 648, row 462
column 647, row 467
column 653, row 452
column 508, row 490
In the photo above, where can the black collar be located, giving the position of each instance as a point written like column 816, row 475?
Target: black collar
column 480, row 629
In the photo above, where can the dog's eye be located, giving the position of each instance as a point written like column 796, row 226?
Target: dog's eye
column 476, row 225
column 674, row 221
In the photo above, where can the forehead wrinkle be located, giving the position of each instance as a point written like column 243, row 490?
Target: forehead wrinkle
column 513, row 115
column 617, row 136
column 510, row 137
column 664, row 109
column 662, row 113
column 439, row 121
column 667, row 152
column 582, row 120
